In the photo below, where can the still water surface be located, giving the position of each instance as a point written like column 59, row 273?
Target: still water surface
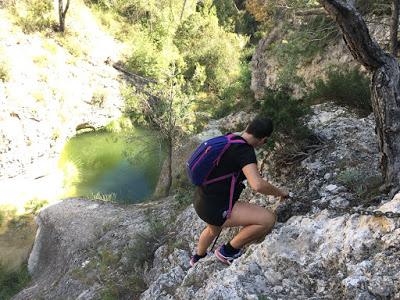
column 124, row 166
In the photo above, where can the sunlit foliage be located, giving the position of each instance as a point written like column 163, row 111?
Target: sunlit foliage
column 33, row 15
column 192, row 36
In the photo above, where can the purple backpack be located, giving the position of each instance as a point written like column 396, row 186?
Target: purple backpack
column 206, row 157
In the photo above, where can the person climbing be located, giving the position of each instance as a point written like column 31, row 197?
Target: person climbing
column 215, row 202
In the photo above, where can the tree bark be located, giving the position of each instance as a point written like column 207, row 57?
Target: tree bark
column 394, row 27
column 62, row 13
column 183, row 9
column 169, row 167
column 385, row 85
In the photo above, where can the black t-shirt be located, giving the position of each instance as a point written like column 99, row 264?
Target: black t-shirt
column 233, row 160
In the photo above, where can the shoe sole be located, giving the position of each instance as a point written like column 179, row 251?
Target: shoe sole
column 221, row 257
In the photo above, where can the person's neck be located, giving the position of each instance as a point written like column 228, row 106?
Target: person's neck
column 250, row 139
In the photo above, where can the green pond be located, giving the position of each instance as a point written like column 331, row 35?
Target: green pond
column 122, row 167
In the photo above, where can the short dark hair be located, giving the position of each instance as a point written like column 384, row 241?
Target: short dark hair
column 260, row 127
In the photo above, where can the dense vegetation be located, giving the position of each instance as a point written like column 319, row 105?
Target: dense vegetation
column 204, row 43
column 12, row 281
column 205, row 49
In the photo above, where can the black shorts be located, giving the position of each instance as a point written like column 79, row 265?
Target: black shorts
column 211, row 209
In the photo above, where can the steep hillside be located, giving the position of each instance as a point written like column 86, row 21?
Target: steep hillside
column 52, row 84
column 267, row 66
column 320, row 248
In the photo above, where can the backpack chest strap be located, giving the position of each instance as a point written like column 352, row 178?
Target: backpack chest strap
column 218, row 178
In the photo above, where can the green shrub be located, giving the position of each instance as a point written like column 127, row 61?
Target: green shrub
column 300, row 45
column 287, row 113
column 120, row 125
column 290, row 137
column 360, row 182
column 7, row 213
column 350, row 178
column 110, row 292
column 33, row 206
column 147, row 58
column 236, row 96
column 202, row 42
column 4, row 71
column 102, row 197
column 136, row 283
column 132, row 100
column 33, row 15
column 346, row 87
column 11, row 282
column 107, row 260
column 2, row 218
column 206, row 55
column 183, row 197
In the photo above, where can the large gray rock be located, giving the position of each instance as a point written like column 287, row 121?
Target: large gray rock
column 323, row 251
column 78, row 238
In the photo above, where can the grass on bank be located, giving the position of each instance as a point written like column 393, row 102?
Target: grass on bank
column 4, row 70
column 361, row 182
column 33, row 15
column 13, row 281
column 17, row 234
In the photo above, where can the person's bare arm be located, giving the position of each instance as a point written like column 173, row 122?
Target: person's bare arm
column 260, row 185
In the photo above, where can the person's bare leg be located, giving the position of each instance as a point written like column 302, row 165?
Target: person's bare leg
column 257, row 222
column 206, row 238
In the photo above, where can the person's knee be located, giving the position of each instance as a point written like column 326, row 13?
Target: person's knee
column 269, row 221
column 213, row 230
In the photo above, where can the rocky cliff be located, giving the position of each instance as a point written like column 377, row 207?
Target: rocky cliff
column 319, row 249
column 265, row 65
column 55, row 84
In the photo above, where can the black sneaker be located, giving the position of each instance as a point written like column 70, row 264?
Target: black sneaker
column 195, row 258
column 225, row 258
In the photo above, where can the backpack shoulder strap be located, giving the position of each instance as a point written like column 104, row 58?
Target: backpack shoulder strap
column 231, row 140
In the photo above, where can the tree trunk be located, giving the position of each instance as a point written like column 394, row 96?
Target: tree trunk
column 62, row 13
column 385, row 85
column 386, row 106
column 183, row 9
column 169, row 167
column 394, row 27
